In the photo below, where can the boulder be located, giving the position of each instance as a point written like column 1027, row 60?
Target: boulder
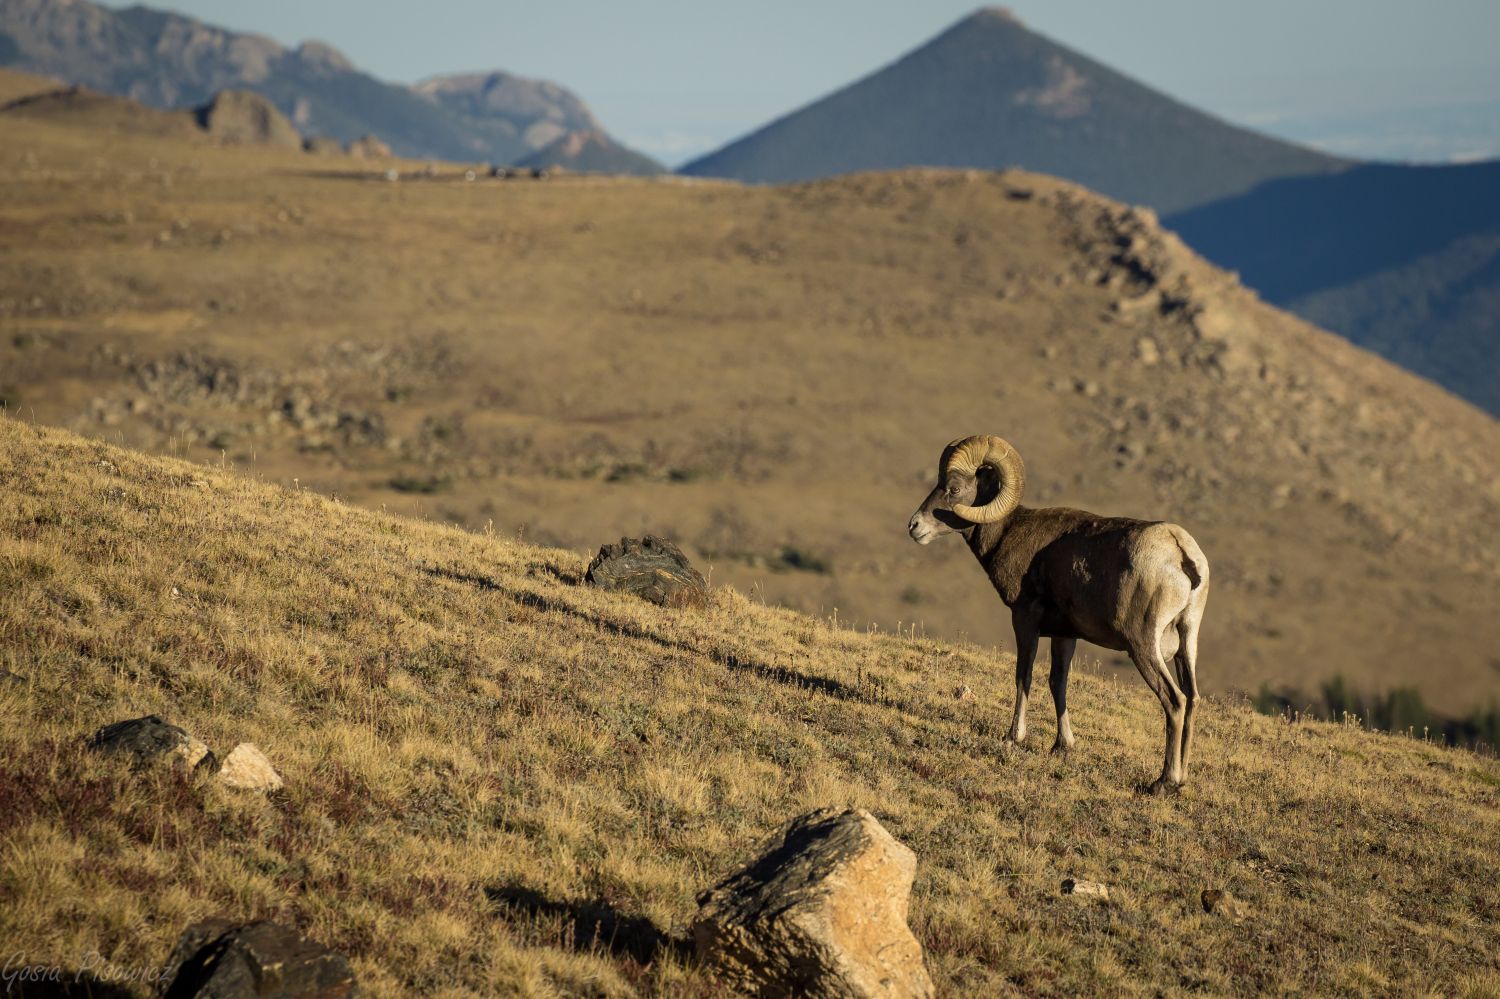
column 822, row 912
column 1079, row 888
column 150, row 740
column 368, row 147
column 1218, row 901
column 217, row 959
column 247, row 767
column 1147, row 352
column 652, row 568
column 241, row 117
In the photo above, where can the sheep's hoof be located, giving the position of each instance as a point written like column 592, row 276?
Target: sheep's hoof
column 1161, row 787
column 1061, row 749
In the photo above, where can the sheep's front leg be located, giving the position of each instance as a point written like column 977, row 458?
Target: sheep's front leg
column 1026, row 639
column 1062, row 661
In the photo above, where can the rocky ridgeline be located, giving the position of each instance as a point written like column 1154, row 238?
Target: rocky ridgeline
column 338, row 400
column 1296, row 432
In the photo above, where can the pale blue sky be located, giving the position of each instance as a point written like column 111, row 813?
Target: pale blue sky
column 676, row 78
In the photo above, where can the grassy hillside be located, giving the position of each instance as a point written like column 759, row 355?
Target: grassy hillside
column 502, row 781
column 14, row 86
column 765, row 375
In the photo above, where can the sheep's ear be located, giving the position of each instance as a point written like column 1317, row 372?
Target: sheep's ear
column 986, row 485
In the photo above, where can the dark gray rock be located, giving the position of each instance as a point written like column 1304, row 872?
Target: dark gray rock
column 149, row 740
column 323, row 145
column 652, row 568
column 217, row 959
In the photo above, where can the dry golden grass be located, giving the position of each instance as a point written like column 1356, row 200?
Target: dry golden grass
column 15, row 86
column 766, row 375
column 500, row 781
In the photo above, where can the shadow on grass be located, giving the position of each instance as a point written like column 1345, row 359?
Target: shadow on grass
column 729, row 660
column 593, row 925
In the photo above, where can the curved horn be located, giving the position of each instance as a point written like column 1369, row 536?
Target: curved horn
column 965, row 457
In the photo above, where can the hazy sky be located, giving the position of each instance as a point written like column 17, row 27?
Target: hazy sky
column 676, row 78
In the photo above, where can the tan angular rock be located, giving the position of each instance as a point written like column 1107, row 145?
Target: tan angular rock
column 1146, row 351
column 368, row 147
column 821, row 912
column 1079, row 888
column 247, row 767
column 193, row 754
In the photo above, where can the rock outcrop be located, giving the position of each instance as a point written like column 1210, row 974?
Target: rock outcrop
column 217, row 959
column 652, row 568
column 822, row 912
column 1219, row 901
column 368, row 147
column 242, row 117
column 149, row 740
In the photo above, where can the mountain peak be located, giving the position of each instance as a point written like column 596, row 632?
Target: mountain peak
column 993, row 15
column 324, row 56
column 592, row 151
column 992, row 94
column 169, row 60
column 542, row 110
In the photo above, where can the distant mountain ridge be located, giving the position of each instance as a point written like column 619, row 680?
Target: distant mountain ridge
column 167, row 60
column 1403, row 260
column 990, row 93
column 230, row 118
column 591, row 151
column 551, row 110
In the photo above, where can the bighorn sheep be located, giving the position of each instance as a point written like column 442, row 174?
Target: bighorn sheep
column 1133, row 585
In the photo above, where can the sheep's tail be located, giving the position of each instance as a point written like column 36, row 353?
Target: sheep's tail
column 1190, row 567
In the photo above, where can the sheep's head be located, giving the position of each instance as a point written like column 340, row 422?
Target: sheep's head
column 979, row 482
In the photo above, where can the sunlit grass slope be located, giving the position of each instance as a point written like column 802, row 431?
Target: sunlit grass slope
column 500, row 781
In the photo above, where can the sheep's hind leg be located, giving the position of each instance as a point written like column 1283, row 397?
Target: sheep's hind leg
column 1148, row 659
column 1062, row 660
column 1187, row 678
column 1026, row 641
